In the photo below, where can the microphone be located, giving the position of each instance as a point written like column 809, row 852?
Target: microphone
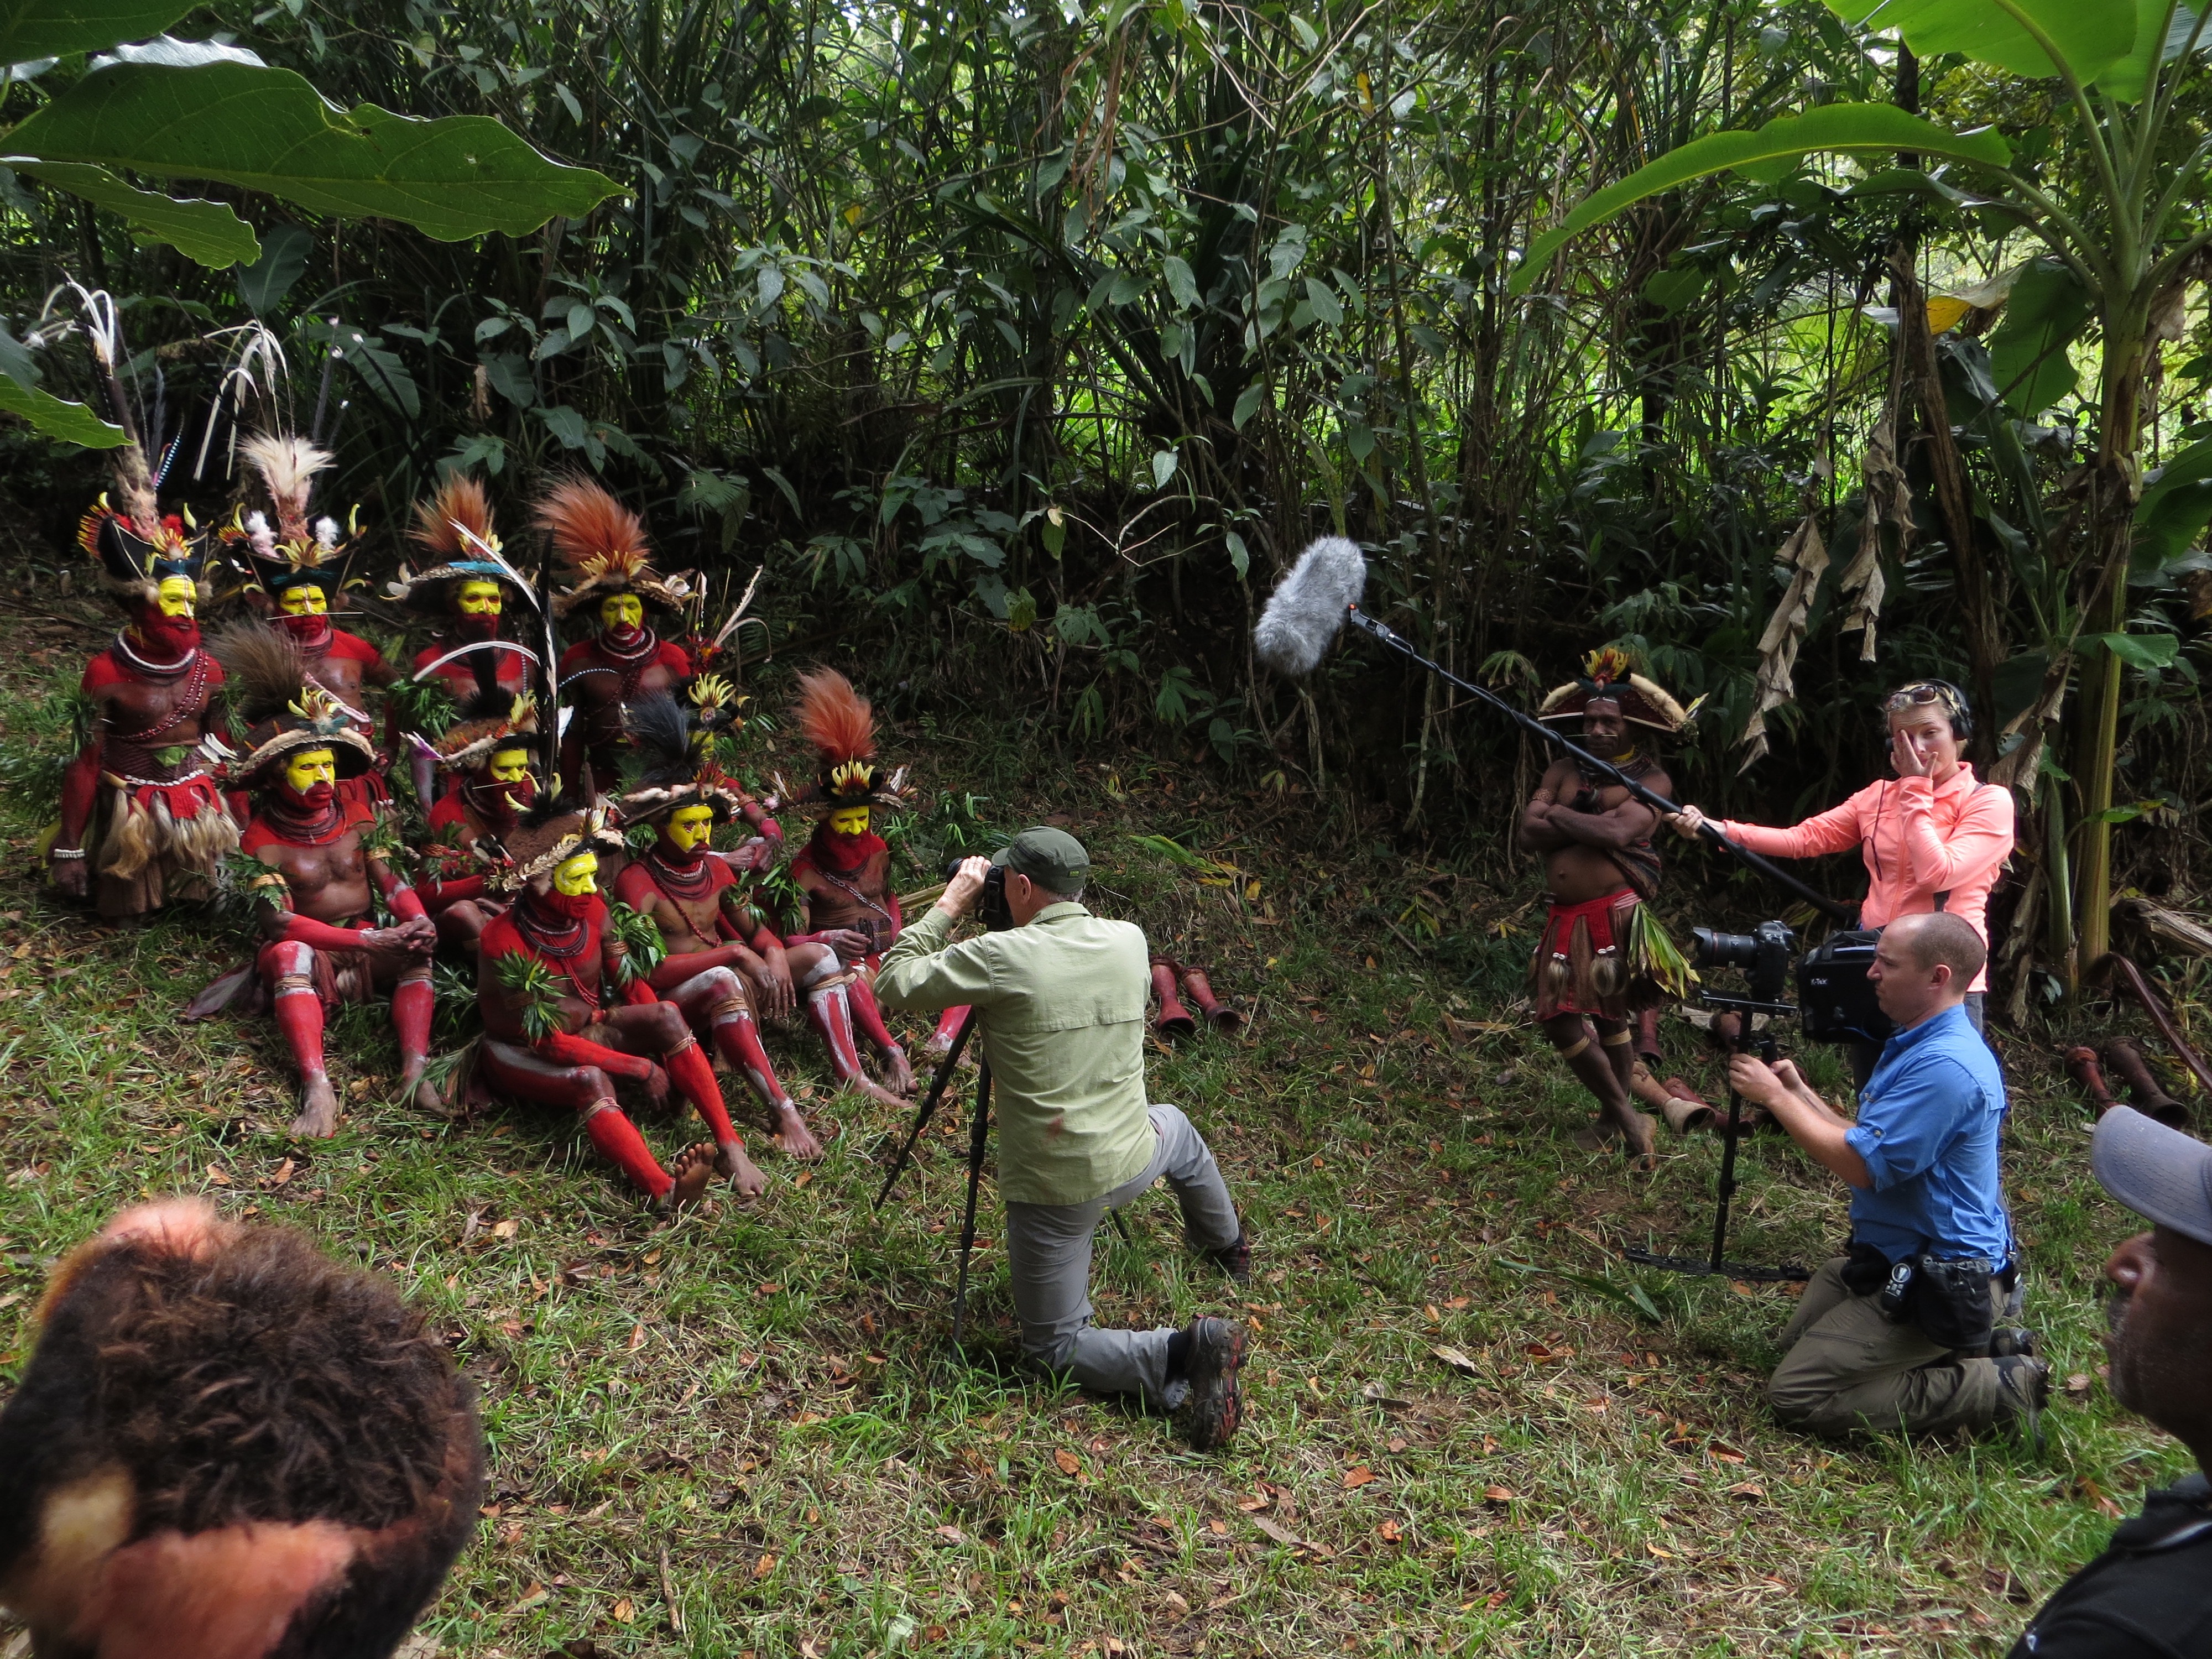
column 1306, row 611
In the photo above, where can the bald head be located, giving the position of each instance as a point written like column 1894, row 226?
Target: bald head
column 1945, row 939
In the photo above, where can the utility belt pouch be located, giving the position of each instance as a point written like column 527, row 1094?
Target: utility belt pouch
column 1865, row 1269
column 1896, row 1299
column 1951, row 1301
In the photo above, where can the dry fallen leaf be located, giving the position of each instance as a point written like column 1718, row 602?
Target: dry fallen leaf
column 1664, row 1555
column 1389, row 1532
column 2078, row 1385
column 215, row 1173
column 624, row 1611
column 1176, row 1606
column 282, row 1173
column 1249, row 1504
column 952, row 1534
column 1281, row 1535
column 1069, row 1462
column 1499, row 1495
column 506, row 1229
column 636, row 1337
column 1457, row 1360
column 1747, row 1491
column 1359, row 1477
column 764, row 1566
column 532, row 1597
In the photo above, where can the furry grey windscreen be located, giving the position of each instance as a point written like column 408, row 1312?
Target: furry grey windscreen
column 1304, row 613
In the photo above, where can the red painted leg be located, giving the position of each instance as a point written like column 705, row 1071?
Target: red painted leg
column 869, row 1018
column 290, row 971
column 413, row 1002
column 620, row 1144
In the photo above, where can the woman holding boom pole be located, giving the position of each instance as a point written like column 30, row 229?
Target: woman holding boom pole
column 1934, row 836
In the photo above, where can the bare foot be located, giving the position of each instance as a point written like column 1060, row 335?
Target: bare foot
column 1639, row 1144
column 876, row 1091
column 693, row 1168
column 743, row 1173
column 796, row 1138
column 898, row 1075
column 319, row 1108
column 425, row 1094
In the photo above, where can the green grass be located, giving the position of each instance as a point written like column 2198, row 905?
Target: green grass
column 749, row 1423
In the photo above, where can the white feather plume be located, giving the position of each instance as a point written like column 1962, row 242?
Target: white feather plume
column 258, row 532
column 326, row 531
column 288, row 466
column 1306, row 611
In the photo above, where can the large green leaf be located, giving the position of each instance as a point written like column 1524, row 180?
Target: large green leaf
column 2046, row 310
column 71, row 422
column 1836, row 129
column 2090, row 35
column 2158, row 39
column 208, row 233
column 2174, row 509
column 55, row 28
column 268, row 130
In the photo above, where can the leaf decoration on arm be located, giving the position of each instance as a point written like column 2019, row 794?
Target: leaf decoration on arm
column 534, row 989
column 638, row 936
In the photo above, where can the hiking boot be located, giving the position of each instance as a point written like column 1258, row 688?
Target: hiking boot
column 2023, row 1389
column 2007, row 1341
column 1234, row 1260
column 1215, row 1404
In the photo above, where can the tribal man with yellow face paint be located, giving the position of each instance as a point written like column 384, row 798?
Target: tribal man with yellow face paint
column 467, row 589
column 492, row 750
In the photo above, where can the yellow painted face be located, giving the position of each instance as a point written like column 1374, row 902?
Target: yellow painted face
column 176, row 595
column 577, row 876
column 509, row 765
column 691, row 826
column 621, row 611
column 309, row 767
column 479, row 599
column 849, row 821
column 304, row 599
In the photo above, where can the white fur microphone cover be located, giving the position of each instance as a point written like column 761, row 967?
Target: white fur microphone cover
column 1304, row 613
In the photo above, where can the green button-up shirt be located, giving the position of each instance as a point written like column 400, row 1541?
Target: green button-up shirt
column 1061, row 1003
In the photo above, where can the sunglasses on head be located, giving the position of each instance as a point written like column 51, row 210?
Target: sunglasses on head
column 1921, row 694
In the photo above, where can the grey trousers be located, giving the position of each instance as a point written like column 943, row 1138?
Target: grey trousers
column 1049, row 1249
column 1850, row 1368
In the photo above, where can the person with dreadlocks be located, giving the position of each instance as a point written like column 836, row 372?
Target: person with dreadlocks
column 142, row 821
column 722, row 959
column 566, row 1010
column 1602, row 956
column 316, row 860
column 226, row 1445
column 489, row 750
column 465, row 590
column 844, row 870
column 602, row 544
column 298, row 571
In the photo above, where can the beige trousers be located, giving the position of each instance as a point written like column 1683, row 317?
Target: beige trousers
column 1847, row 1367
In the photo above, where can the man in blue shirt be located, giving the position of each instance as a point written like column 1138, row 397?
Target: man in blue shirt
column 1900, row 1332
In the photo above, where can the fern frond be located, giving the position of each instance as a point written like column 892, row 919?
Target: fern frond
column 639, row 936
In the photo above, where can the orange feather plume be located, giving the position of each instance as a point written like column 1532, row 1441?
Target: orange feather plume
column 838, row 720
column 590, row 531
column 460, row 501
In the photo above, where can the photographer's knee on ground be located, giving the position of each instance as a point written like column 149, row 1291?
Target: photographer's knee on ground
column 1060, row 997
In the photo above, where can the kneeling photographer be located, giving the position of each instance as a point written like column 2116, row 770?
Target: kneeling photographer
column 1901, row 1332
column 1059, row 996
column 1932, row 838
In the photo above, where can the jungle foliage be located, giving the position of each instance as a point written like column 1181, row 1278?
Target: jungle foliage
column 1026, row 344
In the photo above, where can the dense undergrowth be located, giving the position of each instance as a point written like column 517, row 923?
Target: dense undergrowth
column 745, row 1434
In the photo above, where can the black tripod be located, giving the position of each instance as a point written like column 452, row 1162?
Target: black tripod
column 1718, row 1262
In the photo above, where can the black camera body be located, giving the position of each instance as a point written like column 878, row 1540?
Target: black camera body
column 1834, row 994
column 1764, row 954
column 991, row 906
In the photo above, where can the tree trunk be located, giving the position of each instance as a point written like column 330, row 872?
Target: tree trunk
column 2105, row 611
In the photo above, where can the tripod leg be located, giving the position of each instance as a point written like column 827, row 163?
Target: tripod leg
column 978, row 1133
column 1728, row 1177
column 929, row 1105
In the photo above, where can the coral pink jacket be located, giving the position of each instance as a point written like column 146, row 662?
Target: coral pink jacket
column 1917, row 839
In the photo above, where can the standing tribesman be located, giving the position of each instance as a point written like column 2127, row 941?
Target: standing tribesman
column 141, row 817
column 844, row 870
column 489, row 750
column 566, row 1011
column 298, row 567
column 465, row 590
column 319, row 864
column 1602, row 956
column 723, row 959
column 602, row 543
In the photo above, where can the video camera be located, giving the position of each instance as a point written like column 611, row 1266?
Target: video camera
column 1836, row 1001
column 991, row 907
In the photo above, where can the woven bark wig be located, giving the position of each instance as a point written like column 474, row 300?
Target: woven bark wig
column 1606, row 679
column 488, row 722
column 547, row 835
column 841, row 723
column 602, row 544
column 286, row 710
column 135, row 555
column 674, row 753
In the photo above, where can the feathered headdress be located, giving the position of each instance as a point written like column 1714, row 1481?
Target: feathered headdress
column 295, row 551
column 488, row 722
column 547, row 835
column 1606, row 679
column 602, row 543
column 841, row 723
column 674, row 753
column 268, row 678
column 454, row 527
column 136, row 546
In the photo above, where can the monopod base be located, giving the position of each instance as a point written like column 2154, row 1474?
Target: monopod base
column 1698, row 1266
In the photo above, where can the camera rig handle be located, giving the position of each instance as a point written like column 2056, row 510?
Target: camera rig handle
column 1835, row 909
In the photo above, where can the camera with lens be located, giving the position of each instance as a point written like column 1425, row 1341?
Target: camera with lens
column 1765, row 955
column 991, row 906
